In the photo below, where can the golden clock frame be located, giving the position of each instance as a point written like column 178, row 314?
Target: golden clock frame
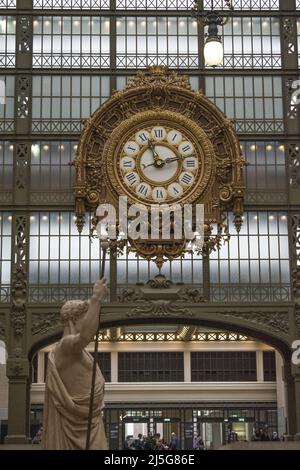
column 195, row 134
column 149, row 94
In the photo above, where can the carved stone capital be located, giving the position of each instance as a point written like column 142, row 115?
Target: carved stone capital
column 17, row 366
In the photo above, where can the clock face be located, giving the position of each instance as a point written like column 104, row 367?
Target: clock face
column 159, row 163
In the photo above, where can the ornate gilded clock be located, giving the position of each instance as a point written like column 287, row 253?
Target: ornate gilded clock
column 158, row 142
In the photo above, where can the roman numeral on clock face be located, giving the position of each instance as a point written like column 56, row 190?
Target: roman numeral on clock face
column 159, row 194
column 132, row 178
column 143, row 189
column 143, row 137
column 131, row 148
column 186, row 148
column 174, row 137
column 190, row 164
column 175, row 190
column 127, row 164
column 186, row 178
column 158, row 133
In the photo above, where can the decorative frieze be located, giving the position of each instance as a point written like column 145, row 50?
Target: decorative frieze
column 160, row 309
column 44, row 322
column 276, row 321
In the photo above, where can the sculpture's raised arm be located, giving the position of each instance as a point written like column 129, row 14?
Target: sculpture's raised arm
column 78, row 338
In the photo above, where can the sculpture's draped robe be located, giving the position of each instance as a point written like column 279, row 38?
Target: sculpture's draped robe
column 66, row 416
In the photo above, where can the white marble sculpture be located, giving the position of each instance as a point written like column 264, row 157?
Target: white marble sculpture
column 69, row 375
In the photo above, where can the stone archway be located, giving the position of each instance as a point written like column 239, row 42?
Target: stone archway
column 258, row 322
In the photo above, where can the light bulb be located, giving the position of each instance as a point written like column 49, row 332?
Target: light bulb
column 213, row 53
column 35, row 150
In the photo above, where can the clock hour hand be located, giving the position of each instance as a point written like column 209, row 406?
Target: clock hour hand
column 176, row 159
column 173, row 159
column 160, row 165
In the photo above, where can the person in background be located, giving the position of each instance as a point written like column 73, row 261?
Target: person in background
column 174, row 443
column 275, row 436
column 127, row 444
column 195, row 442
column 139, row 442
column 38, row 437
column 200, row 443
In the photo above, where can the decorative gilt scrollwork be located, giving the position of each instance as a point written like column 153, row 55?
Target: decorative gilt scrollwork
column 158, row 252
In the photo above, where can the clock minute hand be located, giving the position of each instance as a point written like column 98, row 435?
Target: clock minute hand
column 151, row 147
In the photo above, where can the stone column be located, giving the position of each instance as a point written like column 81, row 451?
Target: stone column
column 187, row 366
column 260, row 366
column 18, row 367
column 296, row 374
column 281, row 399
column 290, row 399
column 41, row 367
column 114, row 366
column 18, row 373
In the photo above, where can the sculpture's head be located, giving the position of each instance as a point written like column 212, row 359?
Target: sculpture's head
column 74, row 311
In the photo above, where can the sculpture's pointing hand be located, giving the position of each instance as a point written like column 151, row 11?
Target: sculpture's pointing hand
column 100, row 290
